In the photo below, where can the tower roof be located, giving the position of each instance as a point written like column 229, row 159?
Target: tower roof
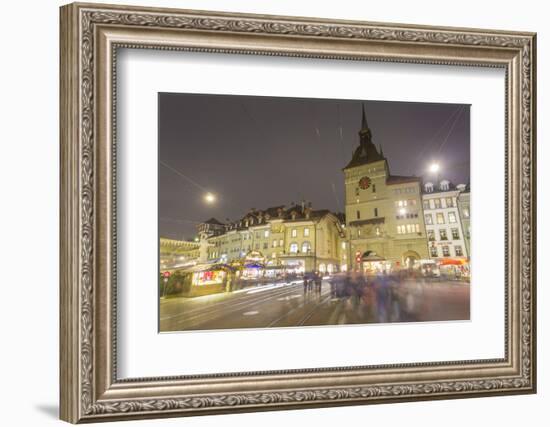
column 366, row 152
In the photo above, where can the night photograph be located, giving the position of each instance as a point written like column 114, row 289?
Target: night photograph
column 293, row 212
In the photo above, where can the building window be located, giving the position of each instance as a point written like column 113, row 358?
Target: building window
column 357, row 191
column 306, row 247
column 433, row 251
column 265, row 245
column 431, row 235
column 344, row 245
column 428, row 218
column 446, row 251
column 454, row 233
column 432, row 204
column 266, row 234
column 466, row 212
column 426, row 204
column 437, row 203
column 440, row 219
column 442, row 234
column 450, row 202
column 281, row 242
column 257, row 234
column 306, row 232
column 274, row 243
column 375, row 211
column 374, row 188
column 294, row 232
column 293, row 248
column 458, row 250
column 377, row 231
column 257, row 246
column 452, row 218
column 358, row 213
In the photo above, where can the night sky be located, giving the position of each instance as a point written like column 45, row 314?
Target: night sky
column 257, row 152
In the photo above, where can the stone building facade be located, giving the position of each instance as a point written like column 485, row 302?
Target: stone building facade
column 384, row 218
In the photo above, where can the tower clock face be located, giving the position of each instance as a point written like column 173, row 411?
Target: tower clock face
column 364, row 182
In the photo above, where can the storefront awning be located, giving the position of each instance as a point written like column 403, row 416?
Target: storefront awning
column 452, row 261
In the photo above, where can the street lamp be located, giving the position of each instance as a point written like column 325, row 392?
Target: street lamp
column 434, row 168
column 209, row 198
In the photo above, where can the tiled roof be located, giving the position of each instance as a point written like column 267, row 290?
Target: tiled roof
column 213, row 221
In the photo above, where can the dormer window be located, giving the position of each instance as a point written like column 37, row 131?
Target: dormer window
column 444, row 185
column 429, row 187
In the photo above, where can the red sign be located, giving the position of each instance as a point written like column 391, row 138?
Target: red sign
column 166, row 274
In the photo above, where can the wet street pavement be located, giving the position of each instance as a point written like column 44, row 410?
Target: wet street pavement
column 288, row 304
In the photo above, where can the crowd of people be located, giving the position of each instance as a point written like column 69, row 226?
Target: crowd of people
column 313, row 281
column 381, row 297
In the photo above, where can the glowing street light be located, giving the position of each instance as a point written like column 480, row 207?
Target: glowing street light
column 434, row 168
column 209, row 198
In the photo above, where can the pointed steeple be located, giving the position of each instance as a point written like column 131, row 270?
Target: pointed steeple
column 364, row 133
column 364, row 124
column 366, row 152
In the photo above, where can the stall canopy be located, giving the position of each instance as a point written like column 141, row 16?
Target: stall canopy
column 207, row 267
column 253, row 265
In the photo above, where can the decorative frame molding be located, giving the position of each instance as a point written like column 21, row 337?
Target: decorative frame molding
column 90, row 36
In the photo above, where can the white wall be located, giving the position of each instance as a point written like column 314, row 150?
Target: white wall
column 29, row 170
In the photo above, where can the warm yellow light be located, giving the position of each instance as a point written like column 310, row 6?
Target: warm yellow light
column 209, row 198
column 402, row 211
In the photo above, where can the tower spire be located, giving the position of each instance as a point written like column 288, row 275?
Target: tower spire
column 365, row 133
column 364, row 124
column 366, row 152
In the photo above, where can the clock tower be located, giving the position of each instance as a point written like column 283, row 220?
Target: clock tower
column 384, row 226
column 365, row 179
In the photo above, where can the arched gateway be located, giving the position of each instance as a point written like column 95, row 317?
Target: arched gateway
column 409, row 258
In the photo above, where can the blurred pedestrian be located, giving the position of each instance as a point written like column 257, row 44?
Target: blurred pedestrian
column 318, row 282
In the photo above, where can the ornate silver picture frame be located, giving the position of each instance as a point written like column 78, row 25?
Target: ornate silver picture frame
column 91, row 390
